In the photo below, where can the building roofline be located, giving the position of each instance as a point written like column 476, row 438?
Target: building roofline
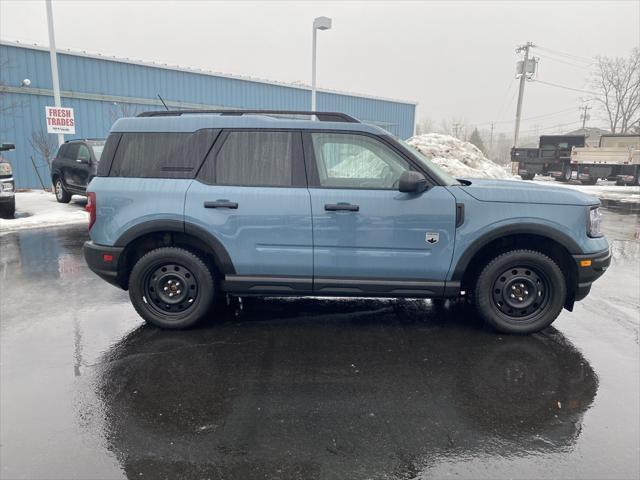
column 199, row 71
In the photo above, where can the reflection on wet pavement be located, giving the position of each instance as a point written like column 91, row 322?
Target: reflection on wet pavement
column 307, row 388
column 302, row 388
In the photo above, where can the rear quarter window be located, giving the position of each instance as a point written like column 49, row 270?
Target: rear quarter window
column 161, row 155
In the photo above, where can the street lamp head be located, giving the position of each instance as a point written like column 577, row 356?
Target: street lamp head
column 322, row 23
column 25, row 83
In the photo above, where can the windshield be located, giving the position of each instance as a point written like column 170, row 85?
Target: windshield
column 440, row 175
column 97, row 151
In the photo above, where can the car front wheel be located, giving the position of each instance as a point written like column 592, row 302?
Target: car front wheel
column 171, row 288
column 520, row 291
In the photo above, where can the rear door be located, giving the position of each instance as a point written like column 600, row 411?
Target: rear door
column 251, row 195
column 369, row 238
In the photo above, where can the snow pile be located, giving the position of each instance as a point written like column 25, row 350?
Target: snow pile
column 459, row 159
column 40, row 209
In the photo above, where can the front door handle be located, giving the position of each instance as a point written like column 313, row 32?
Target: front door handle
column 337, row 207
column 221, row 204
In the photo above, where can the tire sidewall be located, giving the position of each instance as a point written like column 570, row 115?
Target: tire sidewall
column 61, row 194
column 155, row 259
column 524, row 258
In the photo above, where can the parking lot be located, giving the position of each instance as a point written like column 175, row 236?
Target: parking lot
column 314, row 388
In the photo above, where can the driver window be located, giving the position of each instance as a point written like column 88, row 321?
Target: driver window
column 356, row 161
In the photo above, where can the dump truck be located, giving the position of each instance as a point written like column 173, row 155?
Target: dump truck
column 552, row 157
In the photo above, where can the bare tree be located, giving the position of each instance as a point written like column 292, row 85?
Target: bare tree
column 121, row 110
column 44, row 144
column 424, row 126
column 8, row 107
column 617, row 83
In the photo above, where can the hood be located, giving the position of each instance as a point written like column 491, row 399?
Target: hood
column 515, row 191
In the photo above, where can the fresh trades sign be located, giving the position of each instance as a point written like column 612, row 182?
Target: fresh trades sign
column 60, row 120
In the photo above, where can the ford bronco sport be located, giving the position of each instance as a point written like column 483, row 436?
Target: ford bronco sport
column 189, row 205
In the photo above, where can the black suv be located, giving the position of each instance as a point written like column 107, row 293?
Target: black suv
column 75, row 164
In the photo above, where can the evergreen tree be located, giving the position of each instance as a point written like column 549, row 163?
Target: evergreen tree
column 476, row 140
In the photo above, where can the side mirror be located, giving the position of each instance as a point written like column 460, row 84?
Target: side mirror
column 412, row 182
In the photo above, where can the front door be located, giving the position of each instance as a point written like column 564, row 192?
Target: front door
column 369, row 238
column 251, row 195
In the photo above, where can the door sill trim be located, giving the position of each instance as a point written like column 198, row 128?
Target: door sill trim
column 342, row 287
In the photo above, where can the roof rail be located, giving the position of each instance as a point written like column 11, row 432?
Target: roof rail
column 322, row 116
column 87, row 139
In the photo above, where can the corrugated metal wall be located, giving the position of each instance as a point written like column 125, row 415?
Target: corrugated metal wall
column 102, row 90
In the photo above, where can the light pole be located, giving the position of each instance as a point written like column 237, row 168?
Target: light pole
column 54, row 63
column 320, row 23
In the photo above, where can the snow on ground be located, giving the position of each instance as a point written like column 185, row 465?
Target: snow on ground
column 38, row 209
column 459, row 159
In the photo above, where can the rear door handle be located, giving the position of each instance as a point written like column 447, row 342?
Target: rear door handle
column 221, row 204
column 337, row 207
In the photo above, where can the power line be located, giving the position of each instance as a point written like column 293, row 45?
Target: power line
column 576, row 58
column 565, row 87
column 553, row 59
column 535, row 117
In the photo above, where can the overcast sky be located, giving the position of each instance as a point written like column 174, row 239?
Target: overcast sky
column 455, row 58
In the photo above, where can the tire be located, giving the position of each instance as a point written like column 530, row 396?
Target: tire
column 8, row 209
column 521, row 273
column 591, row 181
column 62, row 196
column 566, row 174
column 528, row 176
column 171, row 269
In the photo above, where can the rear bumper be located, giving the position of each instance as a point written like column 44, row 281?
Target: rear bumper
column 104, row 261
column 590, row 268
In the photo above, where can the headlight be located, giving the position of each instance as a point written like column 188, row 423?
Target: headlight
column 5, row 168
column 595, row 222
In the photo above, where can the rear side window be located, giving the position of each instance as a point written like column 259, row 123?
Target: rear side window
column 161, row 155
column 107, row 154
column 254, row 158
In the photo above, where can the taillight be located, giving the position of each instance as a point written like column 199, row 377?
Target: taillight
column 91, row 208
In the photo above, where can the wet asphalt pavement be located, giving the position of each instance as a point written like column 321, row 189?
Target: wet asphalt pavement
column 326, row 389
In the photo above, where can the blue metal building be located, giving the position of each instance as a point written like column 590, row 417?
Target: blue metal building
column 102, row 89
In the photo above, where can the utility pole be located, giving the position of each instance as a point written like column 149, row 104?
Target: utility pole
column 523, row 78
column 585, row 115
column 491, row 140
column 54, row 63
column 455, row 129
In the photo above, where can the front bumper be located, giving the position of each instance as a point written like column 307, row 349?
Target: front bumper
column 7, row 189
column 104, row 262
column 590, row 267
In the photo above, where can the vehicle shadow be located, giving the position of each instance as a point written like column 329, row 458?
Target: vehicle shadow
column 353, row 388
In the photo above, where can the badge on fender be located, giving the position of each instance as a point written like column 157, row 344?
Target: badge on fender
column 432, row 237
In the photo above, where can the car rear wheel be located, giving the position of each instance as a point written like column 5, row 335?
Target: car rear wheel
column 62, row 195
column 521, row 291
column 171, row 288
column 527, row 176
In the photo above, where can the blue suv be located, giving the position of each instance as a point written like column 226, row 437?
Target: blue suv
column 189, row 205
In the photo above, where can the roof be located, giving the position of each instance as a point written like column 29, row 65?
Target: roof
column 193, row 122
column 178, row 68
